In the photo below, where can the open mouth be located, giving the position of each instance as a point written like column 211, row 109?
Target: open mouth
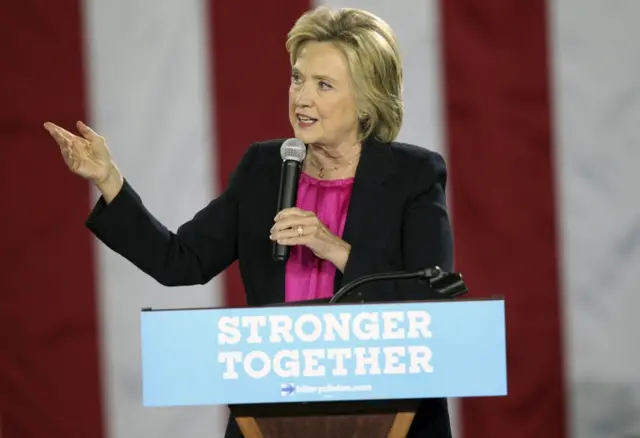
column 304, row 121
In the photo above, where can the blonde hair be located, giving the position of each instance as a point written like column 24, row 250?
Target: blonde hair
column 371, row 50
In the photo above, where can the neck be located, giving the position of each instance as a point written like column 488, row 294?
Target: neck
column 339, row 155
column 333, row 162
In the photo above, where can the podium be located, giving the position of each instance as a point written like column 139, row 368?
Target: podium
column 325, row 370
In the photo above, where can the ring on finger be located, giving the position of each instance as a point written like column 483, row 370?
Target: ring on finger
column 300, row 230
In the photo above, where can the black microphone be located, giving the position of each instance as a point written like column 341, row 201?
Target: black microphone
column 292, row 152
column 445, row 284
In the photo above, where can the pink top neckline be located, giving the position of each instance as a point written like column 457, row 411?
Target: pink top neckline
column 326, row 182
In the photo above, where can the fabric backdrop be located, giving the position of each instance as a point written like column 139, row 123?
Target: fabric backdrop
column 533, row 103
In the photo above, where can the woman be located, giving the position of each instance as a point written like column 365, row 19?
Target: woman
column 365, row 202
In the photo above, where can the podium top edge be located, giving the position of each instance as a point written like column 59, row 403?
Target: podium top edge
column 324, row 302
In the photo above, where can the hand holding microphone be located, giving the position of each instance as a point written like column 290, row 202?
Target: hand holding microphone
column 294, row 226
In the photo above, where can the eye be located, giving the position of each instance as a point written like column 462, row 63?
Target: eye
column 295, row 77
column 325, row 85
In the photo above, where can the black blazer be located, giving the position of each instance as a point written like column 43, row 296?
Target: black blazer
column 397, row 220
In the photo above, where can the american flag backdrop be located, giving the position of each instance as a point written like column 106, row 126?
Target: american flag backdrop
column 535, row 104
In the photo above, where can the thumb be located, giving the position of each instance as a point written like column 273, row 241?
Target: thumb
column 86, row 132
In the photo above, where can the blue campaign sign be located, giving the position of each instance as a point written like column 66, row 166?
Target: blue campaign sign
column 323, row 353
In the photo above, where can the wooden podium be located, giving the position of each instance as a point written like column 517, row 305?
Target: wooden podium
column 278, row 368
column 362, row 419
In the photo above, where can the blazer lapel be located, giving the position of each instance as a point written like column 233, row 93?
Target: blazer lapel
column 369, row 199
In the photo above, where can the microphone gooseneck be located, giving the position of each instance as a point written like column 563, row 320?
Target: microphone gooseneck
column 293, row 153
column 445, row 284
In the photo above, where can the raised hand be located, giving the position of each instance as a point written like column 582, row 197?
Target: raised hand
column 88, row 156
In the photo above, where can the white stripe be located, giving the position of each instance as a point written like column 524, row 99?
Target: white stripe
column 150, row 98
column 416, row 24
column 596, row 72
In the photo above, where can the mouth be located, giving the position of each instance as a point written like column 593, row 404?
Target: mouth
column 304, row 121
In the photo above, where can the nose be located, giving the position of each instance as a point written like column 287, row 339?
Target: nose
column 304, row 96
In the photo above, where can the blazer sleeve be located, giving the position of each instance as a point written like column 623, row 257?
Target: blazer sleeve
column 199, row 249
column 426, row 239
column 427, row 234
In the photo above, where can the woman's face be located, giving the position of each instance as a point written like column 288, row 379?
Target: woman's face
column 322, row 104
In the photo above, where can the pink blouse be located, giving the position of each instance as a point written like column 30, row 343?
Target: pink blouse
column 308, row 277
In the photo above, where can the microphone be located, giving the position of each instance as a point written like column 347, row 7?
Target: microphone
column 293, row 152
column 446, row 284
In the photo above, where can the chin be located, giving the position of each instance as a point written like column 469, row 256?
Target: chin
column 305, row 136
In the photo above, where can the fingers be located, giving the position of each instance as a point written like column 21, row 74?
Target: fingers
column 294, row 221
column 308, row 230
column 53, row 128
column 289, row 217
column 59, row 132
column 62, row 140
column 69, row 144
column 62, row 136
column 290, row 236
column 49, row 126
column 293, row 241
column 86, row 132
column 288, row 212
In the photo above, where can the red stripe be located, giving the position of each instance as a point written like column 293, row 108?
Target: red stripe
column 251, row 72
column 49, row 375
column 501, row 163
